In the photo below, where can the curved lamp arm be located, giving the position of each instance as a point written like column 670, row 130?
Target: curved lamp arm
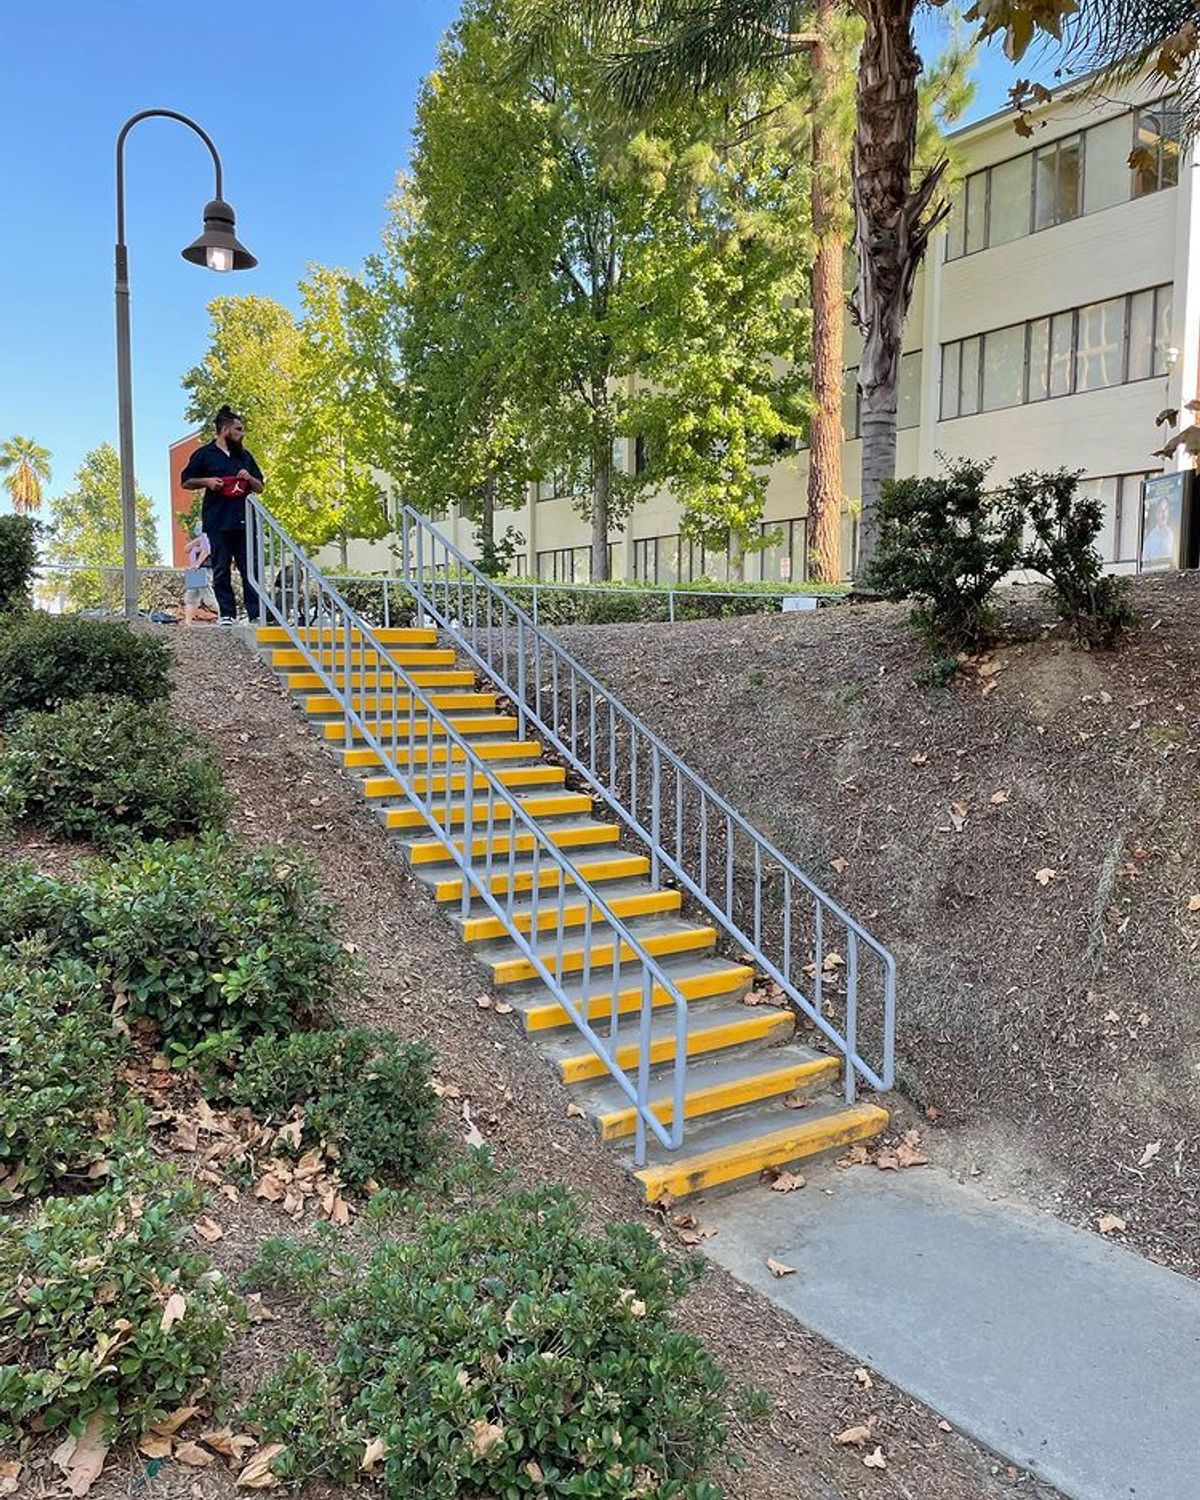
column 162, row 114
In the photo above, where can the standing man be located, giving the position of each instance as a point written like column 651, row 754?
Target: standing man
column 227, row 472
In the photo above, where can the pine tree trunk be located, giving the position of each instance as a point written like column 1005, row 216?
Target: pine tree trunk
column 893, row 222
column 824, row 531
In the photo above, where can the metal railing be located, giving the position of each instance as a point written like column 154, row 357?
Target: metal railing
column 400, row 721
column 390, row 597
column 827, row 964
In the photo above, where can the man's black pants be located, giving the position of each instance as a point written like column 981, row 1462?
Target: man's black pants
column 229, row 547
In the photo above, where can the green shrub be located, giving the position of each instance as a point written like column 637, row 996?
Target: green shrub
column 1061, row 527
column 106, row 769
column 85, row 1285
column 47, row 660
column 509, row 1352
column 945, row 544
column 59, row 1056
column 364, row 1092
column 18, row 560
column 368, row 596
column 39, row 915
column 213, row 936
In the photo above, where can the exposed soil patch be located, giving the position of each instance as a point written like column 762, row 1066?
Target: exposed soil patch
column 1049, row 959
column 287, row 787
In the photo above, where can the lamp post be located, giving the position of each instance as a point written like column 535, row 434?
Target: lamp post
column 219, row 249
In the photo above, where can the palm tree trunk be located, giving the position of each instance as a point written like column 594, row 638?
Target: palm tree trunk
column 824, row 531
column 893, row 222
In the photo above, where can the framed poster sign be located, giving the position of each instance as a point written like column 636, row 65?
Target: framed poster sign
column 1169, row 533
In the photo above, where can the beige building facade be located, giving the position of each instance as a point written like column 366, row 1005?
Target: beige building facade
column 1055, row 317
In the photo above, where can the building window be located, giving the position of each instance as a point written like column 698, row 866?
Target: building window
column 908, row 397
column 1079, row 174
column 1120, row 497
column 785, row 557
column 1087, row 349
column 564, row 565
column 1155, row 158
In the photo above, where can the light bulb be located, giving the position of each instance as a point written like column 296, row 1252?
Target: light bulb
column 218, row 258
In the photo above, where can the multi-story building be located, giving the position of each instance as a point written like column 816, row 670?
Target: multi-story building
column 1053, row 320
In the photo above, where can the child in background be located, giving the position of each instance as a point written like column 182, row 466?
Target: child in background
column 197, row 578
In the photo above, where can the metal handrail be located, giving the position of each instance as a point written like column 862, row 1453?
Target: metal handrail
column 296, row 595
column 783, row 922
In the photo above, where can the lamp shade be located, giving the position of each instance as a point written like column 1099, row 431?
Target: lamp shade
column 218, row 247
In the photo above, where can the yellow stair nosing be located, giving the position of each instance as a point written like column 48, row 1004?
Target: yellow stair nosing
column 435, row 851
column 511, row 776
column 533, row 807
column 653, row 903
column 616, row 868
column 363, row 755
column 665, row 945
column 551, row 1015
column 801, row 1139
column 713, row 1098
column 753, row 1027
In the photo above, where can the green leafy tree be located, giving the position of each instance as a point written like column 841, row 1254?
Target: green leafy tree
column 250, row 364
column 325, row 475
column 25, row 466
column 567, row 285
column 86, row 526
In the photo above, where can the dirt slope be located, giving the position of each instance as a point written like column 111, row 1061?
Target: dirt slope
column 1054, row 1023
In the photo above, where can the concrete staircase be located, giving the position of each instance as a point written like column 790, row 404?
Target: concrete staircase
column 756, row 1097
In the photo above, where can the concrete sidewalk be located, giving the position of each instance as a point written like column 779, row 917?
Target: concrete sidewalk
column 1070, row 1356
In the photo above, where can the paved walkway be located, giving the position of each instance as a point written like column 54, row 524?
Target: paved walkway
column 1066, row 1354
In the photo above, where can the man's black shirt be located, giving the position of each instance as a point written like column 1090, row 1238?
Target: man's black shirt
column 220, row 512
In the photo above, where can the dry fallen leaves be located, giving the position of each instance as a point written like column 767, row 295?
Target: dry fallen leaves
column 1194, row 902
column 787, row 1182
column 777, row 1268
column 1148, row 1155
column 82, row 1459
column 193, row 1455
column 10, row 1476
column 258, row 1475
column 474, row 1136
column 854, row 1437
column 1045, row 875
column 229, row 1444
column 863, row 1377
column 875, row 1460
column 170, row 1425
column 152, row 1445
column 174, row 1310
column 958, row 816
column 484, row 1436
column 208, row 1229
column 375, row 1451
column 1110, row 1224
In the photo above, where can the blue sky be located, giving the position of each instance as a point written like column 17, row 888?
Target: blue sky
column 310, row 105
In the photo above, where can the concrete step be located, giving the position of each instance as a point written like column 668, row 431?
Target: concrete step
column 714, row 1086
column 600, row 868
column 437, row 677
column 711, row 1028
column 660, row 937
column 396, row 704
column 556, row 803
column 732, row 1148
column 582, row 833
column 402, row 731
column 493, row 751
column 627, row 898
column 382, row 788
column 387, row 635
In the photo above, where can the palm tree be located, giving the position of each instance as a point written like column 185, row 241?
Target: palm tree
column 26, row 468
column 669, row 49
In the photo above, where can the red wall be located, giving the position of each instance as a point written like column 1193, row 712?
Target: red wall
column 181, row 499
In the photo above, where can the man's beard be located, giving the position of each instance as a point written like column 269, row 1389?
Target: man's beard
column 235, row 445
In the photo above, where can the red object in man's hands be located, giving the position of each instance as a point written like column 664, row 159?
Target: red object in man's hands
column 233, row 486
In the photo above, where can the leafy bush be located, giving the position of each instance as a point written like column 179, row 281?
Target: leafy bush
column 212, row 936
column 629, row 602
column 362, row 1091
column 87, row 1321
column 59, row 1056
column 369, row 596
column 1061, row 527
column 38, row 913
column 507, row 1351
column 945, row 543
column 18, row 560
column 103, row 769
column 47, row 660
